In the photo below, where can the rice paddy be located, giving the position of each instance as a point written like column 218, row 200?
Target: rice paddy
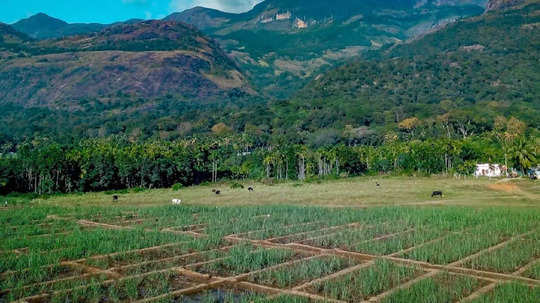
column 269, row 253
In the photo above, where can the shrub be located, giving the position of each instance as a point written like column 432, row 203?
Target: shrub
column 177, row 186
column 138, row 189
column 237, row 185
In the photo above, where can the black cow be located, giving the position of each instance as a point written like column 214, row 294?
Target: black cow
column 437, row 193
column 378, row 184
column 251, row 188
column 115, row 198
column 218, row 192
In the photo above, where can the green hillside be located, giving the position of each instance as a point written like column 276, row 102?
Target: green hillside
column 468, row 72
column 455, row 81
column 283, row 44
column 145, row 60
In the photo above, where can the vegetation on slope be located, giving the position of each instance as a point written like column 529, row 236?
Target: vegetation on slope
column 148, row 59
column 282, row 44
column 470, row 71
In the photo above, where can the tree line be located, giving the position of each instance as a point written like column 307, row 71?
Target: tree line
column 45, row 166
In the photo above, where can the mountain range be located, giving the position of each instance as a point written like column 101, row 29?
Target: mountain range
column 283, row 44
column 466, row 74
column 183, row 74
column 147, row 59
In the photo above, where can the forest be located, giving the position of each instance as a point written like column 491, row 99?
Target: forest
column 45, row 166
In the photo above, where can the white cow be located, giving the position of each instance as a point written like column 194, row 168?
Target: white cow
column 176, row 201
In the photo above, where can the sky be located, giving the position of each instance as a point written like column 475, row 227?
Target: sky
column 108, row 11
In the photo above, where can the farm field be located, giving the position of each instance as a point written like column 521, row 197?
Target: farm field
column 53, row 251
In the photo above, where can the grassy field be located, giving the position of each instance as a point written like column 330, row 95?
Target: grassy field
column 344, row 192
column 337, row 241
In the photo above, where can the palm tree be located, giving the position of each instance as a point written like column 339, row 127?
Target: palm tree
column 523, row 153
column 301, row 153
column 268, row 161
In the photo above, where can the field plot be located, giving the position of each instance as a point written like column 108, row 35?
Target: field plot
column 269, row 254
column 366, row 282
column 443, row 287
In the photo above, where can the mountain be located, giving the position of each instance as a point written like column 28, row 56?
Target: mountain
column 202, row 18
column 166, row 79
column 147, row 60
column 465, row 74
column 42, row 26
column 8, row 35
column 10, row 41
column 502, row 4
column 282, row 44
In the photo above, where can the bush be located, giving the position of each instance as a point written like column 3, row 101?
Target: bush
column 177, row 186
column 237, row 185
column 268, row 181
column 138, row 189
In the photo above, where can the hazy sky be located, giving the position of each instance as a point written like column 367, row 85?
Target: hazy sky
column 107, row 11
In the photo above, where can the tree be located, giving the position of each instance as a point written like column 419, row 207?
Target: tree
column 506, row 131
column 409, row 125
column 221, row 129
column 523, row 153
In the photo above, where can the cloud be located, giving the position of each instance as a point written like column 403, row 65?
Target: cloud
column 233, row 6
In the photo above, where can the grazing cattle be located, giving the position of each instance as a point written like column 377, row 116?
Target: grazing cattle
column 378, row 184
column 437, row 193
column 251, row 188
column 176, row 201
column 218, row 192
column 115, row 198
column 214, row 190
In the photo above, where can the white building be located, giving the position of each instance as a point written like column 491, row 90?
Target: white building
column 489, row 170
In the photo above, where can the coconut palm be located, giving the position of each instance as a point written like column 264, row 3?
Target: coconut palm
column 523, row 153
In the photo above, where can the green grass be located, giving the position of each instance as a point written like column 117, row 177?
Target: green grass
column 29, row 256
column 80, row 244
column 508, row 258
column 459, row 245
column 304, row 271
column 235, row 296
column 245, row 258
column 511, row 292
column 360, row 191
column 441, row 288
column 348, row 239
column 533, row 272
column 366, row 282
column 127, row 289
column 398, row 242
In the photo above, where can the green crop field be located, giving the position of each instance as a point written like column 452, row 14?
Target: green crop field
column 337, row 241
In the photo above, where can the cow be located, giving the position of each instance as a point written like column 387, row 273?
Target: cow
column 377, row 184
column 5, row 204
column 437, row 193
column 115, row 198
column 251, row 189
column 218, row 192
column 176, row 201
